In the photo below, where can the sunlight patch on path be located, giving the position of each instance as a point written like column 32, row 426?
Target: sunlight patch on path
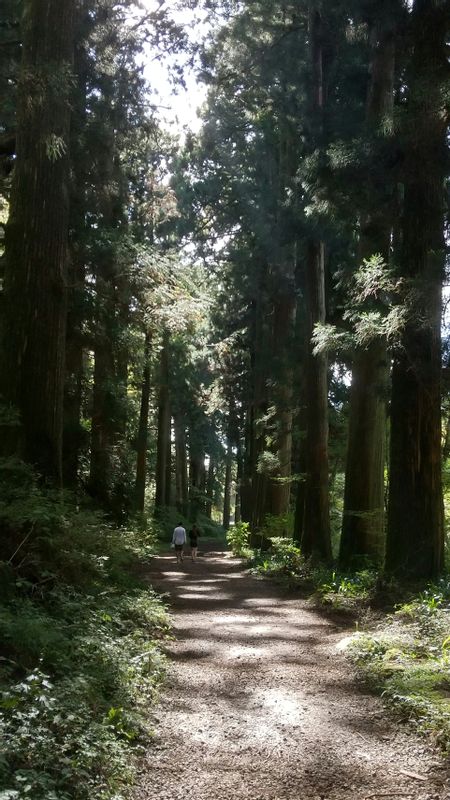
column 260, row 705
column 283, row 705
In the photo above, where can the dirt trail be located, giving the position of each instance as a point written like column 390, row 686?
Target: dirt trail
column 261, row 705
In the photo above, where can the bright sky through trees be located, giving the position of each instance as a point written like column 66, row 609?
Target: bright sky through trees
column 178, row 101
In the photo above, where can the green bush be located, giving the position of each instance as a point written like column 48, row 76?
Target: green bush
column 237, row 538
column 81, row 661
column 283, row 561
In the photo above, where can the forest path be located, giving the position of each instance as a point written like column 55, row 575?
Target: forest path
column 261, row 705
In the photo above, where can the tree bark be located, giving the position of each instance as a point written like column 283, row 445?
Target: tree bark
column 163, row 427
column 142, row 437
column 259, row 402
column 279, row 485
column 181, row 472
column 74, row 435
column 196, row 472
column 316, row 521
column 210, row 484
column 168, row 481
column 35, row 283
column 415, row 540
column 106, row 481
column 227, row 488
column 316, row 539
column 239, row 471
column 103, row 431
column 363, row 535
column 363, row 521
column 245, row 491
column 300, row 468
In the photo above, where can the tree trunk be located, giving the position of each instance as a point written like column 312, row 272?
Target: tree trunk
column 210, row 484
column 300, row 468
column 237, row 508
column 300, row 421
column 163, row 427
column 253, row 483
column 446, row 443
column 74, row 435
column 316, row 529
column 101, row 478
column 316, row 538
column 363, row 519
column 181, row 474
column 106, row 482
column 227, row 488
column 196, row 470
column 35, row 283
column 168, row 481
column 279, row 487
column 142, row 437
column 246, row 489
column 415, row 541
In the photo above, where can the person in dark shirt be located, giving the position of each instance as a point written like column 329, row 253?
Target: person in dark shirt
column 194, row 533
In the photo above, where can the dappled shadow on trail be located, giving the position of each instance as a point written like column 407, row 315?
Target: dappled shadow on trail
column 260, row 705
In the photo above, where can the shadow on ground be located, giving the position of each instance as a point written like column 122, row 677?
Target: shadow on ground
column 260, row 705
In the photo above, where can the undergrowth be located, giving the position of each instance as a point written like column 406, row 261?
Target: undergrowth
column 407, row 659
column 80, row 634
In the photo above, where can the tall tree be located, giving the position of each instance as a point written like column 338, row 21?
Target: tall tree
column 163, row 441
column 415, row 512
column 142, row 436
column 316, row 524
column 363, row 530
column 37, row 233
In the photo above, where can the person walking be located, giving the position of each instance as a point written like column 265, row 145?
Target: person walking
column 178, row 541
column 194, row 533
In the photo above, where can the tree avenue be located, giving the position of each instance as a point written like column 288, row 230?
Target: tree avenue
column 243, row 324
column 242, row 328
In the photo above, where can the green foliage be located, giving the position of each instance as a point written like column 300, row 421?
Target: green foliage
column 343, row 590
column 337, row 492
column 407, row 658
column 169, row 517
column 278, row 527
column 55, row 147
column 372, row 314
column 237, row 538
column 284, row 559
column 81, row 662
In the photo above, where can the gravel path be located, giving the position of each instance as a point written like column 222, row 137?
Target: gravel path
column 261, row 705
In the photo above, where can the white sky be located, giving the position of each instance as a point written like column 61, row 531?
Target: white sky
column 177, row 106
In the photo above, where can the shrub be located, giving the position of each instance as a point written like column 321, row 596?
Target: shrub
column 283, row 561
column 237, row 538
column 81, row 661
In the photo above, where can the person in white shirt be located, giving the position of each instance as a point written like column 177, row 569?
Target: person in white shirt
column 179, row 540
